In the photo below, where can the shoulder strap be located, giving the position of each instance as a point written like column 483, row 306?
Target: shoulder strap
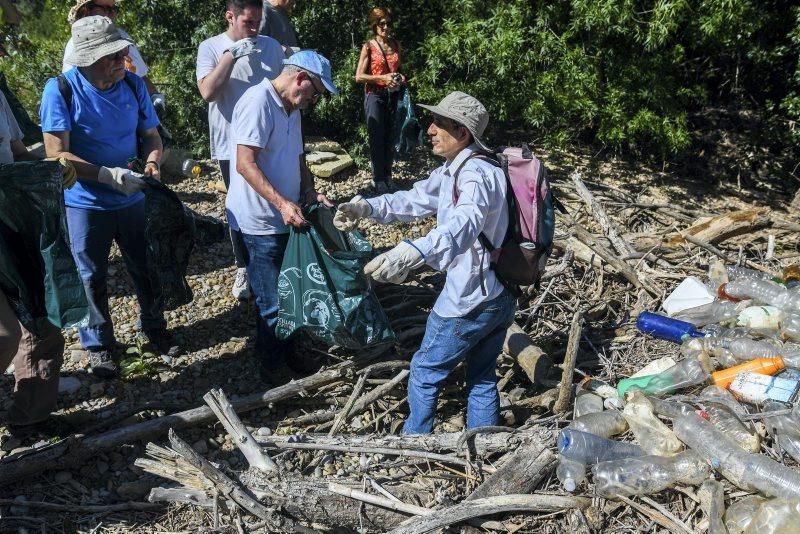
column 132, row 86
column 383, row 54
column 65, row 89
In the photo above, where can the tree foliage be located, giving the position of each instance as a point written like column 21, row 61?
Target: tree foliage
column 627, row 74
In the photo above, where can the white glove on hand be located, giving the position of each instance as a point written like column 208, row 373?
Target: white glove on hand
column 394, row 266
column 159, row 101
column 348, row 213
column 244, row 47
column 123, row 180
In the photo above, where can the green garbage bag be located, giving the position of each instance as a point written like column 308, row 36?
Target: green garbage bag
column 37, row 271
column 406, row 130
column 323, row 290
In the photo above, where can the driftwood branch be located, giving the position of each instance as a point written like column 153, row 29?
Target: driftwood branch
column 565, row 388
column 531, row 358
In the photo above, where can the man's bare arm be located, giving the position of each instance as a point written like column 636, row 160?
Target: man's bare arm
column 56, row 145
column 246, row 166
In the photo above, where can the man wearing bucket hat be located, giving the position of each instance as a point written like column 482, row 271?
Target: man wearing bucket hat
column 133, row 62
column 474, row 310
column 268, row 183
column 108, row 121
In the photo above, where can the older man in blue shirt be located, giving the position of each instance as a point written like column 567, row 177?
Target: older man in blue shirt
column 100, row 118
column 473, row 312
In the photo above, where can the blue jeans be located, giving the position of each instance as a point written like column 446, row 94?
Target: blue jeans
column 91, row 233
column 477, row 338
column 263, row 258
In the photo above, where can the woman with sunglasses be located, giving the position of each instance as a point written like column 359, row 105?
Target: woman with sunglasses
column 133, row 61
column 379, row 70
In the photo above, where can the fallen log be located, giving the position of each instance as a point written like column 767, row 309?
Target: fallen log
column 716, row 229
column 75, row 449
column 531, row 358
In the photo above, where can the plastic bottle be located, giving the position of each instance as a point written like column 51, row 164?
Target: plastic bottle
column 747, row 471
column 791, row 359
column 737, row 272
column 713, row 312
column 685, row 373
column 725, row 420
column 758, row 389
column 651, row 434
column 590, row 449
column 608, row 392
column 603, row 424
column 712, row 502
column 784, row 429
column 766, row 292
column 664, row 327
column 776, row 516
column 179, row 162
column 790, row 327
column 649, row 474
column 730, row 351
column 791, row 276
column 571, row 473
column 740, row 514
column 720, row 395
column 762, row 319
column 587, row 402
column 670, row 408
column 764, row 366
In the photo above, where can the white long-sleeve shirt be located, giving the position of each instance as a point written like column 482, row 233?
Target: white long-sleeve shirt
column 453, row 246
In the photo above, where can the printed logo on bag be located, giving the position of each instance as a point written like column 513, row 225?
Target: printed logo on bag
column 315, row 273
column 286, row 291
column 317, row 308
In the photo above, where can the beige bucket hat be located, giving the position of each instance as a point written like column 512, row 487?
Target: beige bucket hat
column 72, row 16
column 95, row 37
column 466, row 110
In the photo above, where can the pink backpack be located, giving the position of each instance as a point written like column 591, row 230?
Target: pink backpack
column 521, row 259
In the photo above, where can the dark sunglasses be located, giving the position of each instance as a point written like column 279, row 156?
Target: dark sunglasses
column 108, row 10
column 117, row 55
column 445, row 123
column 385, row 23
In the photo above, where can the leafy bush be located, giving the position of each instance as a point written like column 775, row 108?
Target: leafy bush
column 627, row 74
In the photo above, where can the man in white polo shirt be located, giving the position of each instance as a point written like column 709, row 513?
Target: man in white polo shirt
column 227, row 65
column 268, row 183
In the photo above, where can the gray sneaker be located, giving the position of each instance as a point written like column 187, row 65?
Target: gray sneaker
column 102, row 364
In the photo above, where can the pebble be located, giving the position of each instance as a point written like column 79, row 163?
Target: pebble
column 135, row 490
column 67, row 385
column 77, row 355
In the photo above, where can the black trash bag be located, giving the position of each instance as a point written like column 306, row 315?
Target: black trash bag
column 322, row 288
column 406, row 130
column 38, row 274
column 171, row 230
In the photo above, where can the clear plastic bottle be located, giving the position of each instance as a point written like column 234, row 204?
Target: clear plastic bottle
column 685, row 373
column 603, row 424
column 740, row 514
column 713, row 312
column 746, row 470
column 766, row 292
column 590, row 449
column 736, row 272
column 608, row 392
column 722, row 417
column 179, row 162
column 784, row 429
column 792, row 359
column 720, row 395
column 646, row 475
column 776, row 516
column 652, row 435
column 764, row 320
column 790, row 326
column 712, row 502
column 571, row 473
column 670, row 408
column 586, row 402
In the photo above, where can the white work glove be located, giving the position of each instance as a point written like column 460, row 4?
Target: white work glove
column 159, row 102
column 348, row 213
column 394, row 266
column 244, row 47
column 123, row 180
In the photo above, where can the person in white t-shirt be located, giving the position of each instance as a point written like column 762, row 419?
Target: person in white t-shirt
column 268, row 184
column 133, row 62
column 227, row 65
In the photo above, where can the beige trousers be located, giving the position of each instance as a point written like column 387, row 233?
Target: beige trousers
column 37, row 361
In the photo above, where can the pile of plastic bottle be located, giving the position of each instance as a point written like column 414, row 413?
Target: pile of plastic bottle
column 733, row 383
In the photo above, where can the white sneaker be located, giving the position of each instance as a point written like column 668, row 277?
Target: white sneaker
column 241, row 285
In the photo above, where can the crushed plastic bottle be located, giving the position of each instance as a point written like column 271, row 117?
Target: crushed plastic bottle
column 737, row 272
column 712, row 502
column 763, row 366
column 766, row 292
column 720, row 395
column 646, row 475
column 740, row 514
column 725, row 420
column 603, row 424
column 608, row 392
column 652, row 435
column 713, row 312
column 590, row 449
column 776, row 516
column 745, row 470
column 570, row 473
column 685, row 373
column 764, row 320
column 586, row 402
column 670, row 408
column 784, row 429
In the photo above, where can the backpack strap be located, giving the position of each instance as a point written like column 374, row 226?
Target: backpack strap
column 65, row 89
column 132, row 86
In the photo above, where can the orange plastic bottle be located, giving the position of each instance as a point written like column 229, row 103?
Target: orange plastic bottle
column 764, row 366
